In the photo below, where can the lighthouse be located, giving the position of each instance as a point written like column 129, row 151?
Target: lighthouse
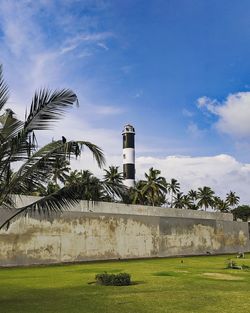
column 128, row 135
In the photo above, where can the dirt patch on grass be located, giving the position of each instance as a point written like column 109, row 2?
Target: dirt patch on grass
column 221, row 276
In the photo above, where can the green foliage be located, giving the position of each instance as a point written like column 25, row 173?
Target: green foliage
column 121, row 279
column 242, row 212
column 35, row 166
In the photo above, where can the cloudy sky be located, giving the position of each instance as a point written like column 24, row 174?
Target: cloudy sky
column 178, row 70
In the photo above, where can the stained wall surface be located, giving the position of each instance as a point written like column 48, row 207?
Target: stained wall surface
column 81, row 236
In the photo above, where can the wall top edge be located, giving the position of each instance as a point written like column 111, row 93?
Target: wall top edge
column 120, row 208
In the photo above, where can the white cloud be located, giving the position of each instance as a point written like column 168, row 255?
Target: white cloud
column 222, row 173
column 233, row 113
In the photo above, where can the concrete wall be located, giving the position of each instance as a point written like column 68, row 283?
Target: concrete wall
column 80, row 236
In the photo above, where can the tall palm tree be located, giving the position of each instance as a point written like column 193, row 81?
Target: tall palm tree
column 173, row 188
column 205, row 197
column 154, row 187
column 232, row 199
column 18, row 144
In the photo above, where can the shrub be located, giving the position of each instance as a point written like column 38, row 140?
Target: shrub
column 121, row 279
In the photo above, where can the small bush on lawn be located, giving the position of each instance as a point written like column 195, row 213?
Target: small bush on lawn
column 122, row 279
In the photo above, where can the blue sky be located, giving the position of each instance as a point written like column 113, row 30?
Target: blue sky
column 178, row 70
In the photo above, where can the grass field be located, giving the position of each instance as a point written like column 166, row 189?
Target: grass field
column 199, row 284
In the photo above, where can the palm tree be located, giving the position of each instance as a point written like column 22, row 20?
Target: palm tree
column 113, row 176
column 18, row 144
column 135, row 194
column 60, row 170
column 205, row 197
column 113, row 181
column 192, row 194
column 178, row 201
column 173, row 188
column 91, row 186
column 221, row 205
column 73, row 178
column 154, row 187
column 232, row 199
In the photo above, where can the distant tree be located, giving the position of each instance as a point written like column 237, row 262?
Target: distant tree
column 242, row 212
column 192, row 194
column 232, row 199
column 179, row 201
column 113, row 181
column 60, row 169
column 221, row 205
column 154, row 187
column 205, row 197
column 182, row 201
column 113, row 176
column 73, row 177
column 136, row 195
column 173, row 188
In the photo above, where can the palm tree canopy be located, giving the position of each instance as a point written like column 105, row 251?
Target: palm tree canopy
column 173, row 186
column 232, row 199
column 60, row 169
column 154, row 187
column 221, row 205
column 18, row 143
column 192, row 194
column 113, row 176
column 205, row 196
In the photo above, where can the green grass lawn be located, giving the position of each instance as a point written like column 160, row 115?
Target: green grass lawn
column 199, row 284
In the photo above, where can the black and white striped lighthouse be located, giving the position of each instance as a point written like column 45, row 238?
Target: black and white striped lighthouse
column 128, row 135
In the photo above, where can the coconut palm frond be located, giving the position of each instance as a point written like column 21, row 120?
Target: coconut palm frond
column 46, row 206
column 96, row 151
column 4, row 91
column 114, row 190
column 11, row 130
column 47, row 107
column 36, row 170
column 39, row 166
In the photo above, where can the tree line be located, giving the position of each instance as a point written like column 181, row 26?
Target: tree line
column 153, row 190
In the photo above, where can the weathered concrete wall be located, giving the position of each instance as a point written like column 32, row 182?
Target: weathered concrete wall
column 81, row 236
